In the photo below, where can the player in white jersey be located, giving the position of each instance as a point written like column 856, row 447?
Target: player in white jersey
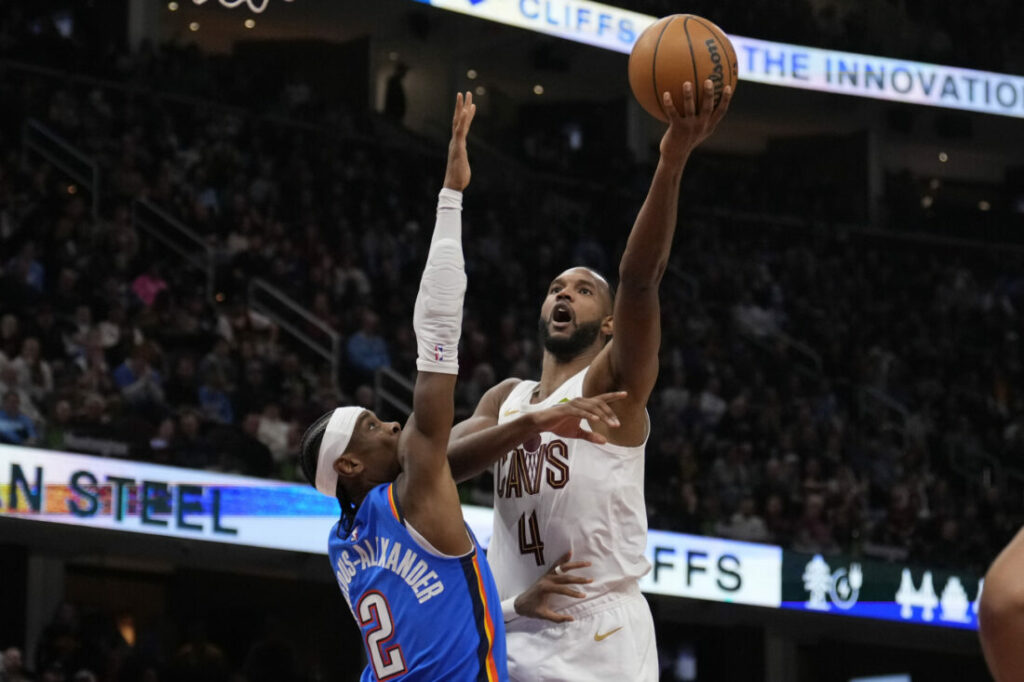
column 563, row 485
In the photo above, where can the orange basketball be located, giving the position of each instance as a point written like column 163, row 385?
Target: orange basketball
column 677, row 49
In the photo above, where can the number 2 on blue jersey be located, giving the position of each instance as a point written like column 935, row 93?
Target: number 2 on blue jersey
column 373, row 611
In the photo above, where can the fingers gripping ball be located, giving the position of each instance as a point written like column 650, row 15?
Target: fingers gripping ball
column 677, row 49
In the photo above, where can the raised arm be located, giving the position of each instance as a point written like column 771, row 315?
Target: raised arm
column 630, row 361
column 437, row 318
column 425, row 487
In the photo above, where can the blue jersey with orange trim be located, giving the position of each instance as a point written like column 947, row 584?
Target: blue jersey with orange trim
column 422, row 616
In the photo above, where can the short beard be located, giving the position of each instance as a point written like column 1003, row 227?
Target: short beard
column 567, row 349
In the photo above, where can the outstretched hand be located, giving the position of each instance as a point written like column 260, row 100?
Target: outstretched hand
column 686, row 127
column 534, row 602
column 565, row 419
column 457, row 174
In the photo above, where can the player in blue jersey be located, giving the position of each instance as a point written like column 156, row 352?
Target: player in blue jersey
column 413, row 575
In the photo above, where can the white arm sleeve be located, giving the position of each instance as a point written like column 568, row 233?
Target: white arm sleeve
column 437, row 317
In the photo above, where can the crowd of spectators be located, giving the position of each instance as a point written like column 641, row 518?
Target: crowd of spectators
column 109, row 343
column 858, row 443
column 107, row 346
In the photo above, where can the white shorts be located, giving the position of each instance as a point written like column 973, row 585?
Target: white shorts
column 611, row 639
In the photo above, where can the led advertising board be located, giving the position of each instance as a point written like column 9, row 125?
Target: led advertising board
column 763, row 61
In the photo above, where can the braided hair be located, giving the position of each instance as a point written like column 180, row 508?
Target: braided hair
column 310, row 455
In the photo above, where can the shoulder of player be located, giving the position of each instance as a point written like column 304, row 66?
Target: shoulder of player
column 492, row 399
column 505, row 387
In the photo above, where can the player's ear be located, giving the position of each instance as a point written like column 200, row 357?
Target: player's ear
column 608, row 326
column 348, row 465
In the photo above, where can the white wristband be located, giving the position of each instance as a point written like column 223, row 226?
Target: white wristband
column 508, row 609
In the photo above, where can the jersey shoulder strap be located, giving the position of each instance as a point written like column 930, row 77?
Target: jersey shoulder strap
column 516, row 399
column 573, row 386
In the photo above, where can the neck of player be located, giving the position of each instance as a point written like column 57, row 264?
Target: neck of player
column 555, row 372
column 358, row 490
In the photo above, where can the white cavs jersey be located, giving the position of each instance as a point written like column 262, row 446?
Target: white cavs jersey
column 553, row 495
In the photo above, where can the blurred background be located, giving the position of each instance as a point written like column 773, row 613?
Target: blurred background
column 212, row 226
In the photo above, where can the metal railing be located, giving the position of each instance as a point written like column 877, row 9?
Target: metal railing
column 298, row 322
column 976, row 466
column 394, row 389
column 807, row 359
column 685, row 280
column 177, row 237
column 885, row 400
column 84, row 170
column 883, row 406
column 803, row 350
column 294, row 319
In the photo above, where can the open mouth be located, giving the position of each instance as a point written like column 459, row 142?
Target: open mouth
column 561, row 316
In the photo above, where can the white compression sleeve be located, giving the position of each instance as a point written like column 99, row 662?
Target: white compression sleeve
column 437, row 317
column 449, row 217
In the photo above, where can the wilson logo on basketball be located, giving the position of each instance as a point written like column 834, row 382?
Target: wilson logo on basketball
column 718, row 72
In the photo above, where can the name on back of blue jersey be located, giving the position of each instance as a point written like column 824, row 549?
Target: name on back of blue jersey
column 388, row 554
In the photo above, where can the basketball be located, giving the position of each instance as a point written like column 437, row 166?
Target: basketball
column 677, row 49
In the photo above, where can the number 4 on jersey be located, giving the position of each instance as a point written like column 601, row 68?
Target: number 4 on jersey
column 534, row 545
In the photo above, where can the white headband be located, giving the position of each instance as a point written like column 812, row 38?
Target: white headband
column 339, row 430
